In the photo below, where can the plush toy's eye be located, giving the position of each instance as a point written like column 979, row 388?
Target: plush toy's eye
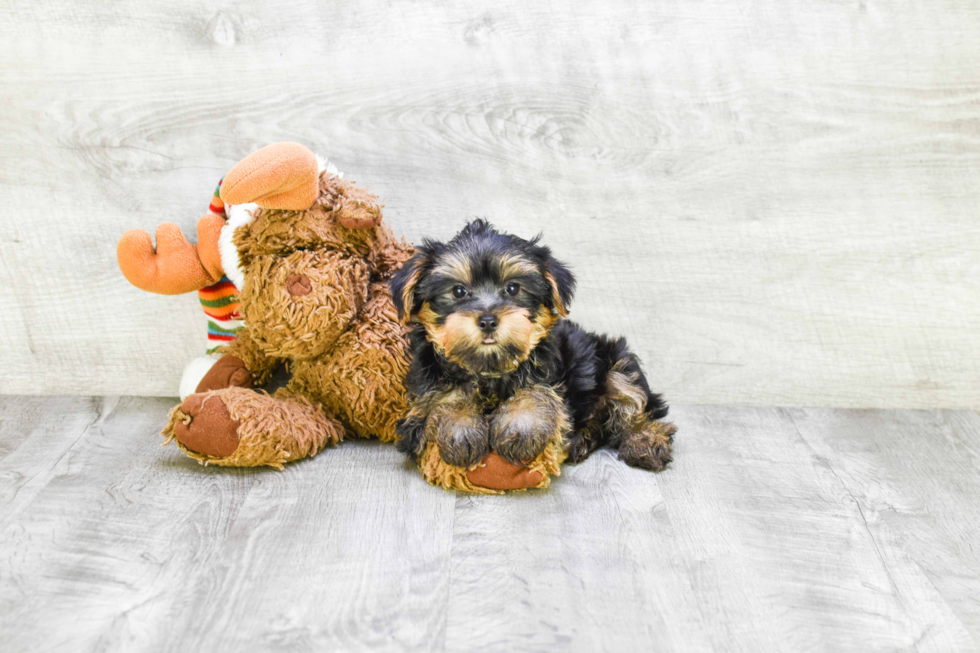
column 512, row 289
column 459, row 292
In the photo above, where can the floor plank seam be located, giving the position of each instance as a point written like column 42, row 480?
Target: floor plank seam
column 449, row 574
column 752, row 541
column 864, row 522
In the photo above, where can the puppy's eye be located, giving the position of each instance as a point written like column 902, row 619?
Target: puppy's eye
column 512, row 289
column 459, row 292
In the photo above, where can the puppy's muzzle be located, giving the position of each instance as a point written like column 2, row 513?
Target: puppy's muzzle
column 488, row 325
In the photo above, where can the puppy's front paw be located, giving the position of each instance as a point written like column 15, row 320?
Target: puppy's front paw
column 460, row 431
column 649, row 447
column 520, row 438
column 524, row 424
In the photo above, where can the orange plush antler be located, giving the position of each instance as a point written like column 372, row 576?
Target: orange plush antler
column 279, row 176
column 176, row 266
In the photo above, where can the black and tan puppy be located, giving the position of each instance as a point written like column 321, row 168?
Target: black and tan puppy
column 497, row 367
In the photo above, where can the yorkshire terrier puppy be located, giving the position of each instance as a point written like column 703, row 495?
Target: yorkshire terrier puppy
column 497, row 367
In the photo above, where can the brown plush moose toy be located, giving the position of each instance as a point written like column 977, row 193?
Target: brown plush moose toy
column 310, row 257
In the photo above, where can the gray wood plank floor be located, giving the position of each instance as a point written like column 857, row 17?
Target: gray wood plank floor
column 775, row 529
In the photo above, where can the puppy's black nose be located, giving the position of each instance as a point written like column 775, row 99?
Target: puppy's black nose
column 488, row 323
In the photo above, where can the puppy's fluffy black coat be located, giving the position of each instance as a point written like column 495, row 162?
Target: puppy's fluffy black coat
column 488, row 312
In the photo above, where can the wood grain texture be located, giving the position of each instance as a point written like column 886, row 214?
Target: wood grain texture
column 773, row 530
column 111, row 543
column 776, row 202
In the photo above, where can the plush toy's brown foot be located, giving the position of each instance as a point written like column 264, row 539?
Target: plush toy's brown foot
column 228, row 372
column 497, row 473
column 206, row 427
column 237, row 427
column 493, row 474
column 649, row 446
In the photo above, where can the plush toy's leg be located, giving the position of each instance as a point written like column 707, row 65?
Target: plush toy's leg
column 194, row 372
column 493, row 475
column 362, row 381
column 238, row 427
column 228, row 371
column 214, row 372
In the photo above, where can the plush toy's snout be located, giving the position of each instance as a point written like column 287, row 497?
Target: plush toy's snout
column 297, row 305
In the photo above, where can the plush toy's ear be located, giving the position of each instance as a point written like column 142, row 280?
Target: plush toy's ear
column 278, row 176
column 404, row 281
column 357, row 208
column 562, row 283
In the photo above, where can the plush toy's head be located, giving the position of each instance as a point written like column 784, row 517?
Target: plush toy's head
column 304, row 273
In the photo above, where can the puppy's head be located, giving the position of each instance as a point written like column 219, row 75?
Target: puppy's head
column 486, row 299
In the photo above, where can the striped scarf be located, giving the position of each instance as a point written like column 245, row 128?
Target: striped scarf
column 220, row 301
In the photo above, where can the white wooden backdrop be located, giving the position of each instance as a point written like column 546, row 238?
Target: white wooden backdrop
column 777, row 201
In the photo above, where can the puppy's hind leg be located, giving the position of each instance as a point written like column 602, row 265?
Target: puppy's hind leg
column 585, row 440
column 632, row 417
column 649, row 446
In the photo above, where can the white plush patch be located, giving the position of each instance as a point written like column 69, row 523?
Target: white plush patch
column 238, row 215
column 323, row 164
column 193, row 374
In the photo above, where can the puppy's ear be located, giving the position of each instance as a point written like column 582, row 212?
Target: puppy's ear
column 562, row 283
column 404, row 281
